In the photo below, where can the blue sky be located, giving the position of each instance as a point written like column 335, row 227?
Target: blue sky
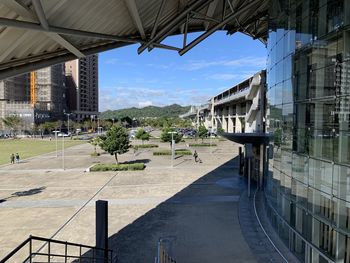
column 162, row 77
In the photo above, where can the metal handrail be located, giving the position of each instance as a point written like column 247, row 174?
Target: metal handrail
column 32, row 254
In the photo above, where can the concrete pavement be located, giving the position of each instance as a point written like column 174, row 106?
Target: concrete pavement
column 196, row 204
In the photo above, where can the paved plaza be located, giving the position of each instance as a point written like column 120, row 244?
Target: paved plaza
column 195, row 205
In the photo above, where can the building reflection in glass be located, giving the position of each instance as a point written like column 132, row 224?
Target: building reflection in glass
column 308, row 75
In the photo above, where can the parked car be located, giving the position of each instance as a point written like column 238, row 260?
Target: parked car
column 62, row 134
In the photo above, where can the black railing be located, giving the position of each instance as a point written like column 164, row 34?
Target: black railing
column 51, row 250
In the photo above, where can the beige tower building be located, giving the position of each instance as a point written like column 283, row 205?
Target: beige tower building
column 82, row 87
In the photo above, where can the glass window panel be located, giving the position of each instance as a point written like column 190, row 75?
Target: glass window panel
column 320, row 175
column 279, row 93
column 287, row 67
column 300, row 168
column 286, row 162
column 321, row 144
column 321, row 82
column 271, row 39
column 279, row 50
column 323, row 53
column 322, row 114
column 299, row 193
column 301, row 86
column 301, row 140
column 290, row 42
column 272, row 77
column 342, row 78
column 341, row 182
column 271, row 96
column 287, row 184
column 298, row 247
column 279, row 72
column 279, row 34
column 287, row 91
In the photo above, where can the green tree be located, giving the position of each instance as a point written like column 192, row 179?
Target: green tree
column 14, row 123
column 220, row 130
column 48, row 126
column 95, row 142
column 166, row 135
column 141, row 134
column 75, row 125
column 277, row 137
column 202, row 132
column 116, row 141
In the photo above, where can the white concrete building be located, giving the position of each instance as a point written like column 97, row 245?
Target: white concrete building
column 239, row 109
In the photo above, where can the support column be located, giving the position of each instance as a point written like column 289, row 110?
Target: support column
column 261, row 165
column 102, row 230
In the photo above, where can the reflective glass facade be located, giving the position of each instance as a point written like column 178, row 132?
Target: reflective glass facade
column 308, row 75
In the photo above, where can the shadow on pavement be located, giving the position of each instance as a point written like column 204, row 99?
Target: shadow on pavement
column 29, row 192
column 137, row 161
column 33, row 191
column 202, row 218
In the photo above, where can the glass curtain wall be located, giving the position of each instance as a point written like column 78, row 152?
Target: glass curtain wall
column 308, row 184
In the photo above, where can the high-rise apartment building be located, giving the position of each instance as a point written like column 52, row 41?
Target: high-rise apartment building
column 35, row 97
column 14, row 99
column 50, row 91
column 82, row 87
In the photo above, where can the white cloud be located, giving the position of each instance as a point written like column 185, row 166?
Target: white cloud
column 112, row 61
column 257, row 62
column 145, row 103
column 224, row 76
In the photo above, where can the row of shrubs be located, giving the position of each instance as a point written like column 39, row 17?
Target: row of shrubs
column 139, row 146
column 117, row 167
column 204, row 144
column 177, row 152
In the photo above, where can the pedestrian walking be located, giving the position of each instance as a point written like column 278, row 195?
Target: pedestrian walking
column 12, row 158
column 17, row 157
column 195, row 155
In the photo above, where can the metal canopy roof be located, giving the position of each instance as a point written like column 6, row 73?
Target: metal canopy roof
column 39, row 33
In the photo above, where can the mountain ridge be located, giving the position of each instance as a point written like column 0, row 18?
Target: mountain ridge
column 170, row 111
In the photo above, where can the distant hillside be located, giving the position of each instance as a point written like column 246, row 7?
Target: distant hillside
column 150, row 111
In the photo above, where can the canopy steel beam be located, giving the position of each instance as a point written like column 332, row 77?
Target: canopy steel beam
column 210, row 12
column 131, row 5
column 257, row 16
column 217, row 27
column 19, row 9
column 40, row 13
column 189, row 15
column 47, row 60
column 56, row 37
column 64, row 31
column 156, row 22
column 26, row 13
column 173, row 25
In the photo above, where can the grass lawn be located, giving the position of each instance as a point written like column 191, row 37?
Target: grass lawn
column 30, row 147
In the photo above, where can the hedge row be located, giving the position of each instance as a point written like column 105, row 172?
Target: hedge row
column 117, row 167
column 145, row 146
column 205, row 144
column 177, row 152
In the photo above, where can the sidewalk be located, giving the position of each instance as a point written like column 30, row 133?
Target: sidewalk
column 202, row 219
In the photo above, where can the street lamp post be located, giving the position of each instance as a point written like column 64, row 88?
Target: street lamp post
column 55, row 132
column 68, row 114
column 98, row 126
column 92, row 126
column 63, row 153
column 172, row 148
column 210, row 133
